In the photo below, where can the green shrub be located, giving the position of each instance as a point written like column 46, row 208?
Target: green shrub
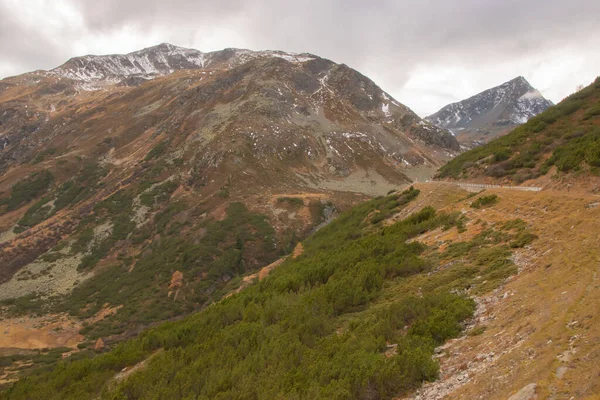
column 223, row 192
column 378, row 217
column 294, row 201
column 159, row 194
column 484, row 201
column 35, row 214
column 42, row 155
column 522, row 240
column 502, row 154
column 28, row 189
column 592, row 112
column 157, row 151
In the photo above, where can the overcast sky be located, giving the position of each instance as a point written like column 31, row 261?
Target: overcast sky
column 426, row 53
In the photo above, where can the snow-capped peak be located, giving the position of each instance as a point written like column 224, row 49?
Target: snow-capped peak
column 494, row 111
column 160, row 60
column 515, row 101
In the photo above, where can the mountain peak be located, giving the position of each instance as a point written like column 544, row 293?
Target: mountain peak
column 166, row 48
column 166, row 45
column 521, row 81
column 491, row 113
column 303, row 92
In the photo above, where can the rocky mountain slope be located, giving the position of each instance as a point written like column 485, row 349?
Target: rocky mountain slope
column 138, row 188
column 556, row 148
column 491, row 113
column 279, row 96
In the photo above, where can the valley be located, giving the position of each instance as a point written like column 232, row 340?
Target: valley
column 237, row 224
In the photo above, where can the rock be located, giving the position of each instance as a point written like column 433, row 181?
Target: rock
column 527, row 393
column 560, row 372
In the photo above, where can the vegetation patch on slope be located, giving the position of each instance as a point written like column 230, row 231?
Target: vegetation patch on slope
column 330, row 323
column 210, row 255
column 30, row 188
column 71, row 192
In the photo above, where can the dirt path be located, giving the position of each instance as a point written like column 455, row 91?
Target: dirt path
column 480, row 186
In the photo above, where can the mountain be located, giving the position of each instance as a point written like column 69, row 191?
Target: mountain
column 491, row 113
column 335, row 114
column 558, row 146
column 163, row 59
column 139, row 188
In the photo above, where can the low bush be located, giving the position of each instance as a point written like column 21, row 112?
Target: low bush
column 294, row 201
column 28, row 189
column 157, row 151
column 485, row 201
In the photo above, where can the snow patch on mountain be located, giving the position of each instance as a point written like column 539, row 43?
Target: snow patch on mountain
column 158, row 60
column 513, row 102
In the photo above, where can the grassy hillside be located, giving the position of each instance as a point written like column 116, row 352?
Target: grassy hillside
column 357, row 315
column 566, row 136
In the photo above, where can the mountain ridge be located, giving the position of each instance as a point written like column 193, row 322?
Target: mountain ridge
column 99, row 74
column 160, row 60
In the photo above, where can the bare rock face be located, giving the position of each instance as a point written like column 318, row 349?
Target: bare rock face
column 491, row 113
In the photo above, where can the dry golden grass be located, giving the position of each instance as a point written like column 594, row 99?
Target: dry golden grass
column 543, row 325
column 40, row 332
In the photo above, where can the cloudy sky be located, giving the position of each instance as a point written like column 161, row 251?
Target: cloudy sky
column 426, row 53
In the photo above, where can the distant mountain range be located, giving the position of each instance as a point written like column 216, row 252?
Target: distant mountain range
column 491, row 113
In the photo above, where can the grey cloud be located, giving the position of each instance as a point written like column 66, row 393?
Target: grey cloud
column 24, row 46
column 385, row 38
